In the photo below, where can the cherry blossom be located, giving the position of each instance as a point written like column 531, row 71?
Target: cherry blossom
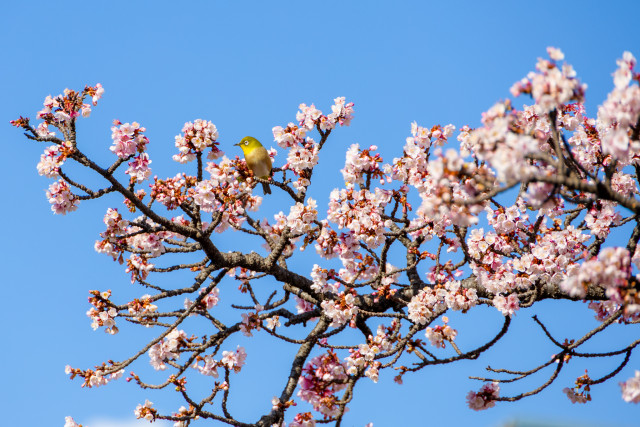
column 322, row 377
column 631, row 389
column 167, row 349
column 61, row 198
column 234, row 360
column 146, row 411
column 143, row 309
column 609, row 270
column 53, row 158
column 103, row 312
column 208, row 302
column 139, row 169
column 484, row 398
column 195, row 138
column 341, row 310
column 575, row 396
column 69, row 422
column 304, row 419
column 128, row 139
column 102, row 375
column 441, row 333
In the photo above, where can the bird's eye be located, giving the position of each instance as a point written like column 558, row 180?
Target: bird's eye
column 246, row 143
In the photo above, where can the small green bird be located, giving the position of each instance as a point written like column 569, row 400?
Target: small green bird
column 257, row 159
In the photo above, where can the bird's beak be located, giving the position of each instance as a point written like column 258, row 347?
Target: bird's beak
column 237, row 143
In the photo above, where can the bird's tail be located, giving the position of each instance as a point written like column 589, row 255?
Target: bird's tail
column 266, row 189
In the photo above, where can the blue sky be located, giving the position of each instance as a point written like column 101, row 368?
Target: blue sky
column 246, row 66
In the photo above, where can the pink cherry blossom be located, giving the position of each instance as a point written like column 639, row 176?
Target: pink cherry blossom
column 441, row 333
column 322, row 377
column 508, row 306
column 610, row 270
column 128, row 139
column 61, row 198
column 575, row 396
column 143, row 309
column 361, row 162
column 341, row 112
column 234, row 360
column 54, row 157
column 139, row 169
column 484, row 398
column 69, row 422
column 631, row 389
column 94, row 378
column 146, row 411
column 103, row 312
column 341, row 310
column 167, row 349
column 195, row 138
column 304, row 419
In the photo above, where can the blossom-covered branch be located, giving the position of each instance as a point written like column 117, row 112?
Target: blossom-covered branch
column 400, row 248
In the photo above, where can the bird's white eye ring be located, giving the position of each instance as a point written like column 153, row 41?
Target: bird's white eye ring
column 246, row 143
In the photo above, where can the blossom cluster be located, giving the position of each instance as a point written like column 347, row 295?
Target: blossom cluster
column 172, row 192
column 303, row 151
column 631, row 389
column 441, row 333
column 128, row 139
column 341, row 310
column 113, row 242
column 581, row 392
column 70, row 422
column 146, row 411
column 225, row 194
column 505, row 151
column 195, row 138
column 451, row 180
column 139, row 169
column 121, row 235
column 143, row 309
column 361, row 212
column 103, row 312
column 424, row 305
column 361, row 162
column 168, row 349
column 322, row 377
column 547, row 259
column 301, row 218
column 330, row 244
column 341, row 113
column 61, row 109
column 139, row 267
column 610, row 270
column 485, row 398
column 94, row 378
column 364, row 356
column 412, row 167
column 234, row 360
column 620, row 112
column 207, row 302
column 304, row 419
column 53, row 157
column 231, row 360
column 149, row 244
column 300, row 160
column 552, row 85
column 251, row 321
column 61, row 198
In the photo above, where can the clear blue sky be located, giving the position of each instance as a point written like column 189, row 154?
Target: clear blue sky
column 246, row 66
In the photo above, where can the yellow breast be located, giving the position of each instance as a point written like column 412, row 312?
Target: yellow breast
column 259, row 162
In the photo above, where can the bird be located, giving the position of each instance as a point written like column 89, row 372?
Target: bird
column 257, row 159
